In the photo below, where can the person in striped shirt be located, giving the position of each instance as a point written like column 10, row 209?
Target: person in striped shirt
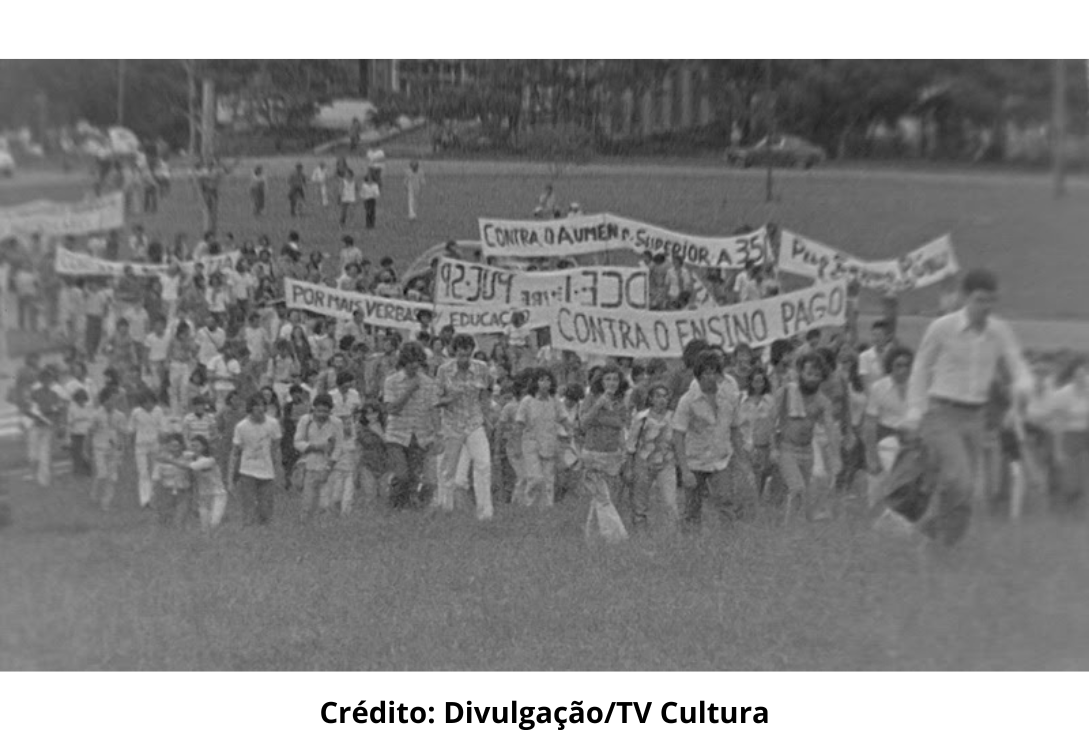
column 199, row 422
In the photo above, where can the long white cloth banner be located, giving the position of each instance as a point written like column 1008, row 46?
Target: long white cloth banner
column 71, row 263
column 400, row 314
column 463, row 283
column 926, row 265
column 605, row 232
column 643, row 334
column 61, row 219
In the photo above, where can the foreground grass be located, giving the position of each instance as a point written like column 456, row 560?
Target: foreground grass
column 81, row 590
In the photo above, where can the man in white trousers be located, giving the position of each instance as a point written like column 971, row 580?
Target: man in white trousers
column 414, row 181
column 146, row 423
column 320, row 177
column 464, row 386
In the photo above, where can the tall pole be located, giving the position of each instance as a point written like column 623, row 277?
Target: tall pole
column 191, row 78
column 770, row 105
column 120, row 92
column 1058, row 128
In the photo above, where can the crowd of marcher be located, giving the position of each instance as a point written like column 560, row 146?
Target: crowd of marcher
column 210, row 386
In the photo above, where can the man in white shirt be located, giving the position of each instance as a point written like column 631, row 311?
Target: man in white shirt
column 705, row 438
column 948, row 390
column 210, row 340
column 376, row 164
column 171, row 285
column 156, row 345
column 255, row 446
column 871, row 363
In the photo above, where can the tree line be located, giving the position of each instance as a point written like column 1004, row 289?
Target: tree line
column 832, row 102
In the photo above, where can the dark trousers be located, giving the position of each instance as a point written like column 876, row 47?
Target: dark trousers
column 953, row 437
column 344, row 207
column 257, row 497
column 406, row 463
column 173, row 505
column 295, row 199
column 94, row 334
column 734, row 498
column 81, row 466
column 151, row 198
column 370, row 205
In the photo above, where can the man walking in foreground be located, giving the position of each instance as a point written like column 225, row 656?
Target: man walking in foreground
column 950, row 380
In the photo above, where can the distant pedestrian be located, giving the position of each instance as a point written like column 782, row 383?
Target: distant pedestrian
column 319, row 178
column 414, row 182
column 258, row 190
column 347, row 192
column 376, row 163
column 296, row 190
column 370, row 192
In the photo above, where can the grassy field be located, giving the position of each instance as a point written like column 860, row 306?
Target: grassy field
column 1008, row 222
column 82, row 590
column 384, row 592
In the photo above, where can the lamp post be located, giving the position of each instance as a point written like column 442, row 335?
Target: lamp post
column 770, row 102
column 1058, row 127
column 120, row 92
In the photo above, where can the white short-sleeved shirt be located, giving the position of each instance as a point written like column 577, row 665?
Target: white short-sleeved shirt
column 209, row 344
column 885, row 404
column 871, row 365
column 157, row 346
column 170, row 287
column 255, row 440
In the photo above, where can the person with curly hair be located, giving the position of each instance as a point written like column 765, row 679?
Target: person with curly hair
column 603, row 417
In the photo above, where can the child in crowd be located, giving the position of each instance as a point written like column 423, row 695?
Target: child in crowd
column 199, row 422
column 371, row 445
column 170, row 478
column 210, row 493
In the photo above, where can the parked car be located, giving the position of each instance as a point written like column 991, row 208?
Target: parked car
column 784, row 151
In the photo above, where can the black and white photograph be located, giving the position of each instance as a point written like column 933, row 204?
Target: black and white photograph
column 544, row 365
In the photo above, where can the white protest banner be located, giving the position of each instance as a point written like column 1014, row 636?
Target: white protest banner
column 488, row 318
column 646, row 334
column 926, row 265
column 70, row 263
column 604, row 232
column 330, row 302
column 61, row 219
column 398, row 313
column 463, row 283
